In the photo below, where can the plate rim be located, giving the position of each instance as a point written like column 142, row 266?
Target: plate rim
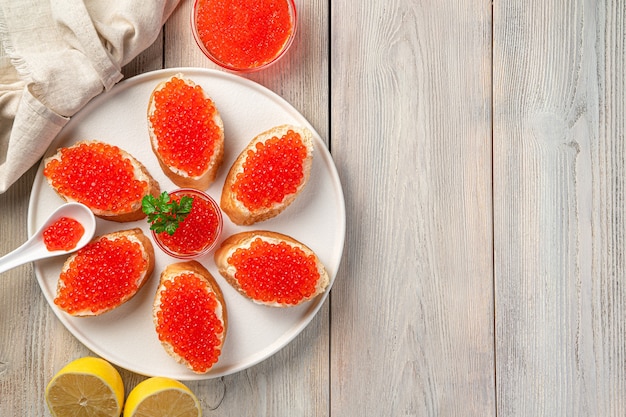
column 294, row 331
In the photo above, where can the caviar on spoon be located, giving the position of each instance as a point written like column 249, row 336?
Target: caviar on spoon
column 68, row 229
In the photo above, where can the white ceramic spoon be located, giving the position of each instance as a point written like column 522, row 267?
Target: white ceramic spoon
column 35, row 249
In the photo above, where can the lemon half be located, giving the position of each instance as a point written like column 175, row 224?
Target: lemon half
column 86, row 387
column 160, row 396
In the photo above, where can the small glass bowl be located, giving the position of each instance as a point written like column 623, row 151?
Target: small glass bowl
column 253, row 67
column 161, row 239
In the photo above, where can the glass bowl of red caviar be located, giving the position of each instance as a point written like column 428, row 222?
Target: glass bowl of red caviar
column 244, row 35
column 198, row 233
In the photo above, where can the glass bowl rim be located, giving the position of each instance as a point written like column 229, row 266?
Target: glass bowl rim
column 294, row 17
column 206, row 249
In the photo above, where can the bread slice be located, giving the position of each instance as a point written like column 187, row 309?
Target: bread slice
column 189, row 149
column 265, row 188
column 107, row 179
column 184, row 287
column 105, row 274
column 253, row 263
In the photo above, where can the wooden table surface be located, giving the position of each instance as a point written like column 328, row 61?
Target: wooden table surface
column 481, row 148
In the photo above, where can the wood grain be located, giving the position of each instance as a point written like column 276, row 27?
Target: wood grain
column 412, row 310
column 481, row 151
column 558, row 212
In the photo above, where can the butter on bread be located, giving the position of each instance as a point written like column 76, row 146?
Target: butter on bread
column 192, row 327
column 87, row 280
column 94, row 179
column 187, row 139
column 231, row 202
column 295, row 284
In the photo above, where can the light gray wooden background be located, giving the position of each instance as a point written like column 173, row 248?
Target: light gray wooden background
column 481, row 150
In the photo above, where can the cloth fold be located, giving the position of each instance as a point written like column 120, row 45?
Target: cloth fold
column 56, row 56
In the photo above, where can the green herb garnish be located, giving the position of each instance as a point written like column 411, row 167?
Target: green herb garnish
column 165, row 214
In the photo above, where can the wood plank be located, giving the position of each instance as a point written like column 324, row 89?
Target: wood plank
column 294, row 382
column 558, row 207
column 412, row 310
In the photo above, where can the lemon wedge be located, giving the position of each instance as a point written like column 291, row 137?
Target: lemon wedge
column 86, row 387
column 160, row 396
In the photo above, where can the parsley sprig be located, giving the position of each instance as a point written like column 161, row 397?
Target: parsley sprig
column 165, row 214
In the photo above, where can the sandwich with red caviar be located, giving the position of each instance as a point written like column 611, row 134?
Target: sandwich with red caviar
column 190, row 315
column 271, row 268
column 186, row 132
column 268, row 174
column 104, row 177
column 105, row 274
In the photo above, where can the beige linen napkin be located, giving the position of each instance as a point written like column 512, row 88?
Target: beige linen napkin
column 57, row 55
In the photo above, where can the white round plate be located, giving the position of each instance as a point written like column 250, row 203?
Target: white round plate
column 126, row 336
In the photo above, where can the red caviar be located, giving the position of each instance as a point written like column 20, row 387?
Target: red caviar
column 244, row 34
column 102, row 275
column 272, row 171
column 184, row 125
column 187, row 320
column 96, row 174
column 198, row 232
column 275, row 272
column 63, row 234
